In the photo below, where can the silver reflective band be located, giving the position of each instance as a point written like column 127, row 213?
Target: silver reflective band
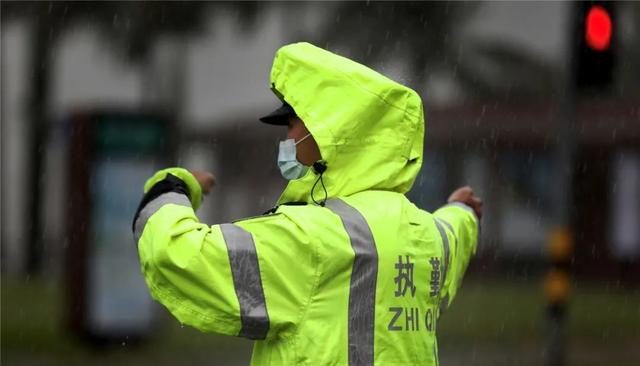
column 445, row 245
column 448, row 225
column 153, row 206
column 362, row 293
column 475, row 217
column 444, row 303
column 247, row 281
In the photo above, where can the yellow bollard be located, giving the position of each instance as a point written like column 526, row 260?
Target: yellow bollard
column 556, row 289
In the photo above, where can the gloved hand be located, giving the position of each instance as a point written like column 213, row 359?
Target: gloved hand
column 465, row 195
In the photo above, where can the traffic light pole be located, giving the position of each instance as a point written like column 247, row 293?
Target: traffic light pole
column 588, row 71
column 560, row 246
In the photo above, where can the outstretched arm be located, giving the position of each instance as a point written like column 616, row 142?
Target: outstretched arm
column 459, row 223
column 223, row 278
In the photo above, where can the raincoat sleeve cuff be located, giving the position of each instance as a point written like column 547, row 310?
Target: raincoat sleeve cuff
column 194, row 191
column 465, row 207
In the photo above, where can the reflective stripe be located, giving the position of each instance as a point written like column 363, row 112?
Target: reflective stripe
column 445, row 244
column 362, row 293
column 153, row 206
column 448, row 225
column 443, row 303
column 247, row 281
column 475, row 217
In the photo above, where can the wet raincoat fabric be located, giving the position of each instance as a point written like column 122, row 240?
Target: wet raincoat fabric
column 361, row 280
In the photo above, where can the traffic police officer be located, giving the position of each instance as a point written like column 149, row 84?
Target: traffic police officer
column 345, row 270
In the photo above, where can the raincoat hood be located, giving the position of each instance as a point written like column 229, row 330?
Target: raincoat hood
column 370, row 129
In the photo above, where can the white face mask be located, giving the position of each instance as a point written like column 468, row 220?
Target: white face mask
column 290, row 167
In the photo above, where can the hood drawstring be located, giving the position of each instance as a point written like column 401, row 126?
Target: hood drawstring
column 319, row 167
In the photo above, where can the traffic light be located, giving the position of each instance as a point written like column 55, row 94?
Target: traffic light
column 595, row 46
column 597, row 28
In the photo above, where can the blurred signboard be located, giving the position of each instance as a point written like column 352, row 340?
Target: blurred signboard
column 112, row 154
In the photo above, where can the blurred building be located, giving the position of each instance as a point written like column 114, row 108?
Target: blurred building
column 491, row 83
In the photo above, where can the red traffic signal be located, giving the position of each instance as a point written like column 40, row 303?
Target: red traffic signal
column 598, row 28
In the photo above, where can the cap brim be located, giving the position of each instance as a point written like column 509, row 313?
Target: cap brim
column 280, row 116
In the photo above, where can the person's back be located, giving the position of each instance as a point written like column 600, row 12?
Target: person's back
column 383, row 296
column 345, row 270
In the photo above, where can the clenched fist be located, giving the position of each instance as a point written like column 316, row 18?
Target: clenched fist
column 206, row 180
column 466, row 196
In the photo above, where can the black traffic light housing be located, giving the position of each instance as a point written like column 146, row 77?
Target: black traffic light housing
column 595, row 36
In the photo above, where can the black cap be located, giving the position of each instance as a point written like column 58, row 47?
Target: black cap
column 280, row 116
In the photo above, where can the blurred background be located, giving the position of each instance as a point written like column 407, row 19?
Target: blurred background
column 534, row 104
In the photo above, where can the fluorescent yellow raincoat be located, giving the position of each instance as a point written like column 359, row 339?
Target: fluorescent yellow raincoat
column 359, row 281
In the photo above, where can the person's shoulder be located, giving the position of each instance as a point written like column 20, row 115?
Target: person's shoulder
column 376, row 196
column 284, row 218
column 383, row 205
column 305, row 215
